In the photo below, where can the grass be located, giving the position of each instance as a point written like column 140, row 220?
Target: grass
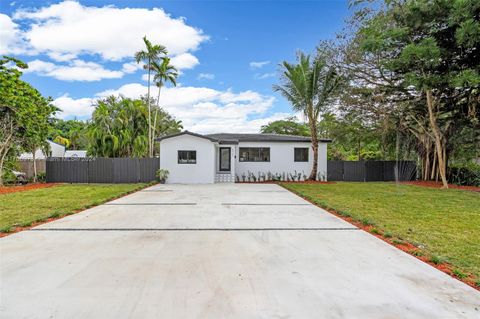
column 443, row 222
column 27, row 207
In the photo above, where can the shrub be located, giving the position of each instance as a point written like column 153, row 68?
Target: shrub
column 42, row 177
column 464, row 174
column 162, row 175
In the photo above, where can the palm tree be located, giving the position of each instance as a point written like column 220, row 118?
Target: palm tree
column 151, row 54
column 164, row 73
column 309, row 86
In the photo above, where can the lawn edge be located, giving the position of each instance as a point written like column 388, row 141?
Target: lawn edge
column 46, row 220
column 405, row 246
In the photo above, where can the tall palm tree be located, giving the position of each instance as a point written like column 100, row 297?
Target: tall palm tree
column 164, row 72
column 309, row 85
column 148, row 56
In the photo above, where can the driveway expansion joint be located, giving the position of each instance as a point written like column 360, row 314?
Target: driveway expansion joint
column 198, row 229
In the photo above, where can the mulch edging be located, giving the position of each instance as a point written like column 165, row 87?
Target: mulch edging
column 432, row 184
column 404, row 246
column 51, row 219
column 22, row 188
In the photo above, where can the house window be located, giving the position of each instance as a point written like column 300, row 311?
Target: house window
column 301, row 154
column 254, row 154
column 187, row 157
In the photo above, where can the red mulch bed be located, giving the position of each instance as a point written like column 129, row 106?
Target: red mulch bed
column 22, row 188
column 433, row 184
column 402, row 245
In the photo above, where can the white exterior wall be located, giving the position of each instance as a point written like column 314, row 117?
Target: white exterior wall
column 56, row 150
column 281, row 159
column 201, row 172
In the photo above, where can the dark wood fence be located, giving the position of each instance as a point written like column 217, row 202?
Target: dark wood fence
column 371, row 171
column 101, row 170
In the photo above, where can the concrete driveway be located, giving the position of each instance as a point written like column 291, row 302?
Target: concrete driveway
column 217, row 251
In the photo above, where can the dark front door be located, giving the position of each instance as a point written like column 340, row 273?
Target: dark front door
column 225, row 159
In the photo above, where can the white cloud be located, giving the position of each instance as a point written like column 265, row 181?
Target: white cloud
column 206, row 76
column 74, row 107
column 131, row 67
column 259, row 76
column 258, row 65
column 76, row 70
column 10, row 36
column 110, row 32
column 201, row 109
column 184, row 61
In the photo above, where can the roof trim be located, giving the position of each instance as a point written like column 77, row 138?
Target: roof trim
column 158, row 139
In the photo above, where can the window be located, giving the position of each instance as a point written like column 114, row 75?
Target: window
column 301, row 154
column 187, row 157
column 254, row 154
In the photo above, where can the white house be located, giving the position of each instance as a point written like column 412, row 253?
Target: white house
column 56, row 150
column 227, row 157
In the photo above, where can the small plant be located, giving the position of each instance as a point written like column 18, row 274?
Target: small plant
column 366, row 221
column 375, row 231
column 244, row 177
column 397, row 242
column 41, row 177
column 415, row 252
column 304, row 176
column 388, row 235
column 459, row 274
column 162, row 175
column 477, row 283
column 436, row 260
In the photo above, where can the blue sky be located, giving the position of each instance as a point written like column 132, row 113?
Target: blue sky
column 228, row 52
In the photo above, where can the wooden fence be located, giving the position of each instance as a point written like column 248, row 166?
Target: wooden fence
column 371, row 171
column 101, row 170
column 26, row 166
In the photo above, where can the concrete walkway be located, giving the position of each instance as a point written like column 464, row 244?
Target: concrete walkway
column 217, row 251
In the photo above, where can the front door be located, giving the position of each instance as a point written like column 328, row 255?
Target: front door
column 225, row 159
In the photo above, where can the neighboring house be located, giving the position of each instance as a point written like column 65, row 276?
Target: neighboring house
column 56, row 150
column 210, row 158
column 75, row 154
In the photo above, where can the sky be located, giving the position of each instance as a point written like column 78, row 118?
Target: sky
column 227, row 52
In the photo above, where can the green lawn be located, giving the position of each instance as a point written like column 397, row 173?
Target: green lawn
column 24, row 208
column 446, row 223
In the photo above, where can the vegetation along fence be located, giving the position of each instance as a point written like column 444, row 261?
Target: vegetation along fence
column 26, row 166
column 101, row 170
column 371, row 171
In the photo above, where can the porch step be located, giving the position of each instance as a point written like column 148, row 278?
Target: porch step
column 224, row 178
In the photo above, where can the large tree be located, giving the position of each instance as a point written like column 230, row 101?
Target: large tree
column 118, row 127
column 309, row 85
column 25, row 115
column 421, row 60
column 152, row 53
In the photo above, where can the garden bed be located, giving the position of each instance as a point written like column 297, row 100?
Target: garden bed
column 22, row 188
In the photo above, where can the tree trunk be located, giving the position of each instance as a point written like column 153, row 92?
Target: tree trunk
column 149, row 112
column 438, row 138
column 155, row 118
column 313, row 129
column 34, row 166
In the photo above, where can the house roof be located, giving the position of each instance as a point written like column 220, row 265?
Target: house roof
column 158, row 139
column 235, row 138
column 263, row 137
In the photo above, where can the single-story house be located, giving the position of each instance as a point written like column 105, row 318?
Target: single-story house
column 56, row 150
column 228, row 157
